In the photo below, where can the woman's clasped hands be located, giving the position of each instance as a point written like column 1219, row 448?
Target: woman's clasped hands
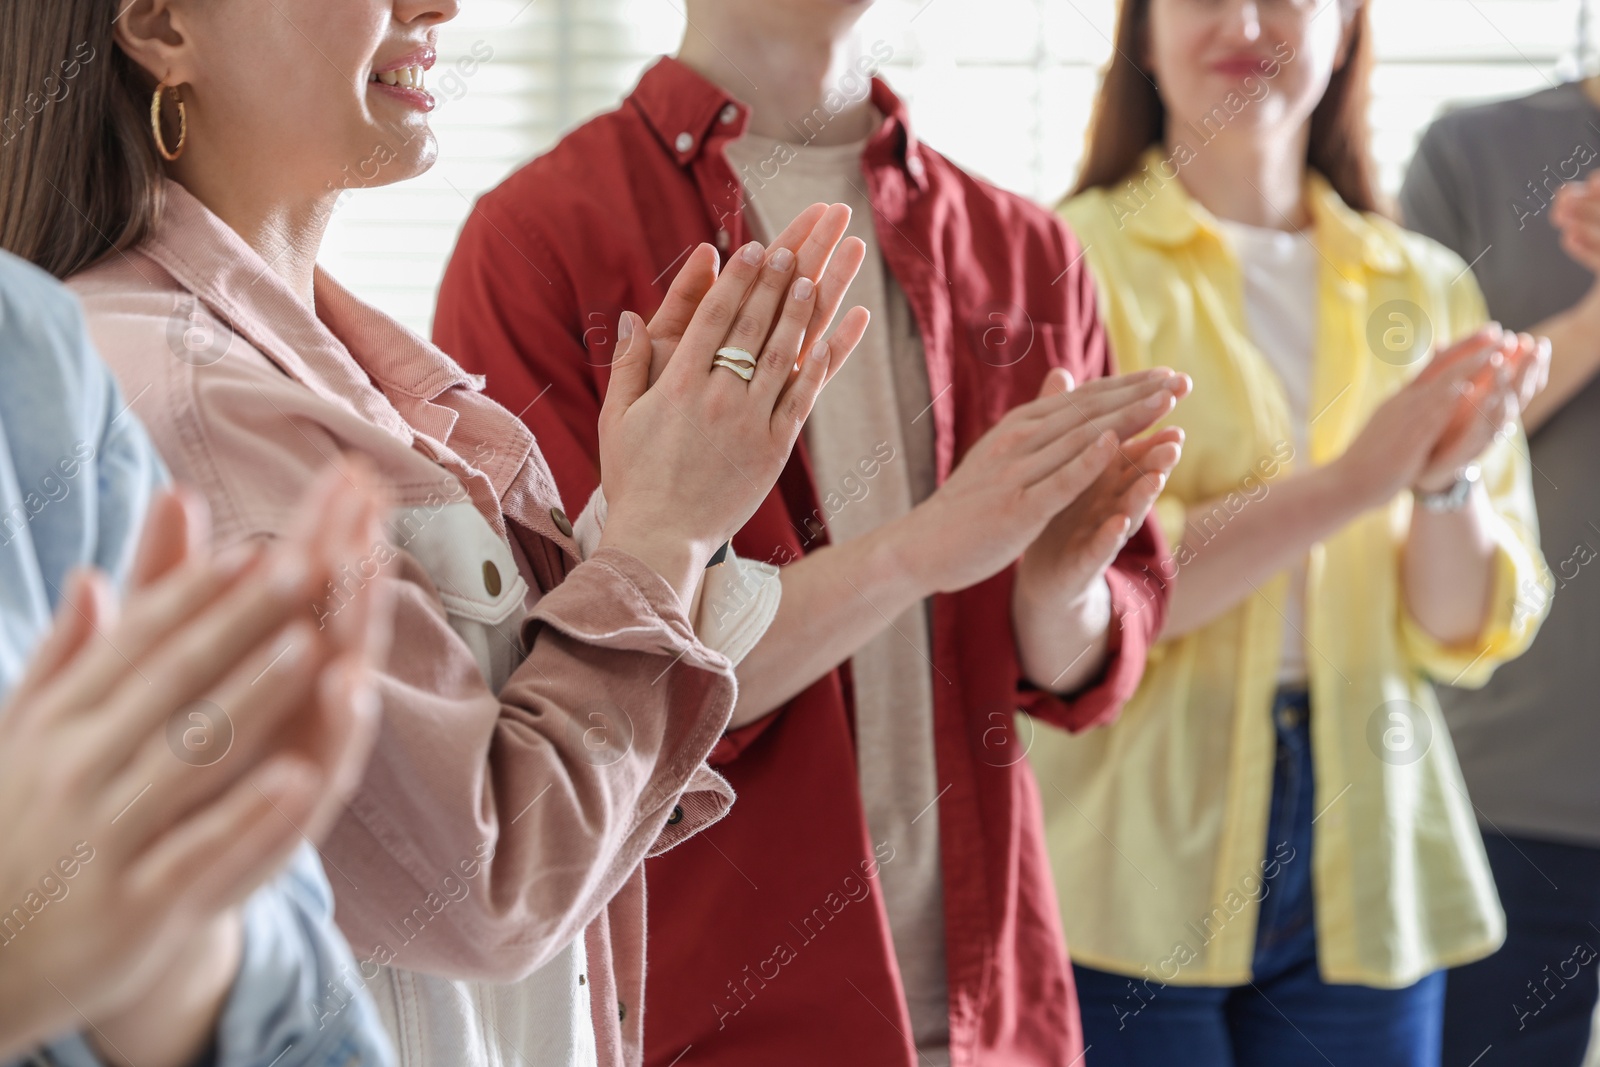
column 706, row 401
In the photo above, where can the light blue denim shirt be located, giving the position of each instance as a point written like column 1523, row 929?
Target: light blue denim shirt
column 76, row 474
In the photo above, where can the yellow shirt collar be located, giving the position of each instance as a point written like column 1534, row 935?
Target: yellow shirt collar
column 1158, row 210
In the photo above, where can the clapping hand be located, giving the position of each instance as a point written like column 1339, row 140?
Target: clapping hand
column 159, row 761
column 1085, row 537
column 1488, row 404
column 689, row 445
column 1576, row 215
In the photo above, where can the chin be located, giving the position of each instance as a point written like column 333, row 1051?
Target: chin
column 390, row 160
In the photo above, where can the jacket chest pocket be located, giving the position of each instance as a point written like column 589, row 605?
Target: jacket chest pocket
column 479, row 584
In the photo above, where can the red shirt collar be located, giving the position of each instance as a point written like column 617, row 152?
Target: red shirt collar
column 685, row 110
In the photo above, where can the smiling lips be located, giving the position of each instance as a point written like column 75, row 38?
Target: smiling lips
column 1241, row 66
column 406, row 80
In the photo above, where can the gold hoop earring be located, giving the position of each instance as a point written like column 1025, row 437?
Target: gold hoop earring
column 155, row 122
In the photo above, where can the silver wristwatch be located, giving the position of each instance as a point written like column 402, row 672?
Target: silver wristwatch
column 1453, row 498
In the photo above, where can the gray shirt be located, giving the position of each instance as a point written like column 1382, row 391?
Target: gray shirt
column 1481, row 183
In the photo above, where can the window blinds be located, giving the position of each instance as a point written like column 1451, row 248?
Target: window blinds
column 1002, row 86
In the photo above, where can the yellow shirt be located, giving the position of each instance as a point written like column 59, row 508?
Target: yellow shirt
column 1157, row 824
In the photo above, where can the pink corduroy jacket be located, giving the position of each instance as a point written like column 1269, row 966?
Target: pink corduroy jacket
column 546, row 720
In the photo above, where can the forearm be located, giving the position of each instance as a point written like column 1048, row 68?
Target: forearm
column 1062, row 635
column 1574, row 357
column 835, row 600
column 175, row 1021
column 1448, row 569
column 1225, row 557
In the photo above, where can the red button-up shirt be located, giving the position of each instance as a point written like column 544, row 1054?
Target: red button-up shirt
column 765, row 942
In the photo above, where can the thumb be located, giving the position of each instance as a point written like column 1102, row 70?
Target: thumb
column 1057, row 382
column 630, row 366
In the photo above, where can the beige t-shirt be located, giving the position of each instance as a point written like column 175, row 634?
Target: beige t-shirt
column 879, row 402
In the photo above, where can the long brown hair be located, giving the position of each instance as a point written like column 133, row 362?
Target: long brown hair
column 1129, row 116
column 79, row 173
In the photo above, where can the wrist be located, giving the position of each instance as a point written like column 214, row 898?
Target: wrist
column 1587, row 310
column 1451, row 491
column 1056, row 636
column 910, row 547
column 175, row 1018
column 1433, row 483
column 679, row 560
column 898, row 564
column 1350, row 488
column 1043, row 579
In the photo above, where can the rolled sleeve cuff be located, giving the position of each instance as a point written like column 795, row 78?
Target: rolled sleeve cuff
column 735, row 603
column 1127, row 645
column 706, row 799
column 615, row 601
column 1522, row 592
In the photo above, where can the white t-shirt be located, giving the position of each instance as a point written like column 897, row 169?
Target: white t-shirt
column 1280, row 304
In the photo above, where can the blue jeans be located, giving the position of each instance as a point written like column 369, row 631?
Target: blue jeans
column 1530, row 1003
column 1287, row 1017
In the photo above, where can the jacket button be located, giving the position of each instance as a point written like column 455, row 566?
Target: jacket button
column 582, row 980
column 491, row 578
column 677, row 815
column 684, row 142
column 622, row 1011
column 563, row 524
column 729, row 113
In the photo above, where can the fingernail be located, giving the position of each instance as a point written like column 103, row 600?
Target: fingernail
column 782, row 260
column 625, row 327
column 819, row 354
column 803, row 288
column 751, row 253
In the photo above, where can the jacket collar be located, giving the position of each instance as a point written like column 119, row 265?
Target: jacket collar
column 687, row 112
column 1158, row 210
column 348, row 353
